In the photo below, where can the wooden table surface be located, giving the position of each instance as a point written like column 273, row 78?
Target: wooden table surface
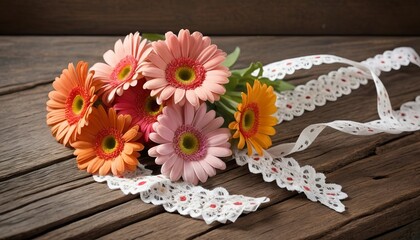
column 43, row 195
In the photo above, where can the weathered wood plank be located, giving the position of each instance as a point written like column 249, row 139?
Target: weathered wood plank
column 234, row 17
column 58, row 209
column 42, row 183
column 389, row 218
column 26, row 142
column 27, row 62
column 410, row 231
column 49, row 55
column 298, row 218
column 105, row 222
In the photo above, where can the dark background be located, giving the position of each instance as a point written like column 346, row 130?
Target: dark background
column 212, row 17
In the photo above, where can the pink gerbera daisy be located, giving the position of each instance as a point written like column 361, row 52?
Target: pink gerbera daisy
column 143, row 108
column 190, row 143
column 187, row 67
column 122, row 68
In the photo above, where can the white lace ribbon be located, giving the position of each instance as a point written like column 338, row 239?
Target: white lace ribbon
column 218, row 205
column 274, row 165
column 185, row 198
column 333, row 85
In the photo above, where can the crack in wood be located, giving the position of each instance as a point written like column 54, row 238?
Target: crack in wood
column 13, row 88
column 410, row 230
column 409, row 201
column 34, row 168
column 16, row 206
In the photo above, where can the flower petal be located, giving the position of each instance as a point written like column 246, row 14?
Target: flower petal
column 177, row 169
column 167, row 166
column 219, row 151
column 199, row 171
column 215, row 162
column 165, row 149
column 189, row 175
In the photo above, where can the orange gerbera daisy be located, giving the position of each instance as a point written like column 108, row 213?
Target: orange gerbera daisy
column 108, row 144
column 71, row 102
column 253, row 120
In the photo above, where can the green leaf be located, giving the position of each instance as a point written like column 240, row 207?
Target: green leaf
column 239, row 72
column 232, row 58
column 225, row 112
column 153, row 36
column 284, row 86
column 246, row 71
column 239, row 78
column 233, row 81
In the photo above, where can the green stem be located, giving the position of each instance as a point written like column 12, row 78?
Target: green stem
column 224, row 108
column 233, row 94
column 229, row 102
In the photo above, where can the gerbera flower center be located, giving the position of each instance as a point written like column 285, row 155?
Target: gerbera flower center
column 76, row 105
column 124, row 72
column 249, row 120
column 109, row 143
column 185, row 73
column 189, row 143
column 152, row 108
column 125, row 69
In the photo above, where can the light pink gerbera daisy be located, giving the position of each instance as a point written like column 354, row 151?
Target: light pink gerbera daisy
column 122, row 68
column 186, row 67
column 190, row 143
column 143, row 108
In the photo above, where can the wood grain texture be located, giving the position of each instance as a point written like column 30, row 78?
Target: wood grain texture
column 235, row 17
column 44, row 196
column 28, row 62
column 26, row 140
column 409, row 231
column 64, row 207
column 300, row 219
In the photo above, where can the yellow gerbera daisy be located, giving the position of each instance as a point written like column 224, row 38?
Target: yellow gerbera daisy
column 253, row 120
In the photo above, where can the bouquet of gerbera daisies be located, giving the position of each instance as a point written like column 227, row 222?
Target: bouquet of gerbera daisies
column 176, row 95
column 179, row 96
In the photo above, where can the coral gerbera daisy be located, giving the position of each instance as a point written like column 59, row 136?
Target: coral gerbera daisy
column 253, row 120
column 190, row 143
column 71, row 102
column 143, row 108
column 123, row 66
column 108, row 144
column 186, row 67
